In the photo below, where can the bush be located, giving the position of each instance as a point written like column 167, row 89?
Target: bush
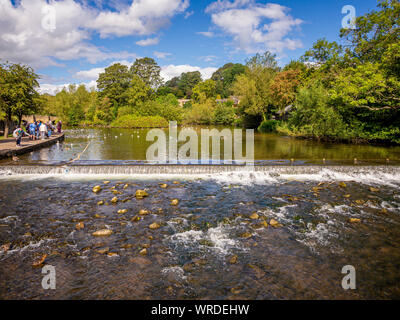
column 200, row 113
column 268, row 126
column 314, row 117
column 224, row 114
column 166, row 107
column 131, row 121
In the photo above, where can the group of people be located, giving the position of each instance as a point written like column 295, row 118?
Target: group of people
column 36, row 130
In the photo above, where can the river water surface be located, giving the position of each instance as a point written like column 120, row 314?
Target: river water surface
column 220, row 241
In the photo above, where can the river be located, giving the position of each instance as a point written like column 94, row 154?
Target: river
column 220, row 241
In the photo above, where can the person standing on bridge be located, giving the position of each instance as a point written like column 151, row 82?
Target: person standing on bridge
column 43, row 130
column 59, row 126
column 18, row 134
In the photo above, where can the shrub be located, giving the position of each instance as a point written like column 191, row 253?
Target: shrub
column 224, row 114
column 131, row 121
column 268, row 126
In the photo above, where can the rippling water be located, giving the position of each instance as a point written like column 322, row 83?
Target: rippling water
column 208, row 246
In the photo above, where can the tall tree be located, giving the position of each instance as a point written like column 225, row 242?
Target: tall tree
column 18, row 94
column 225, row 76
column 113, row 83
column 149, row 71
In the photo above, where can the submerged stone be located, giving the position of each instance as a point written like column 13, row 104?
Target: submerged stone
column 372, row 189
column 102, row 233
column 100, row 203
column 143, row 252
column 354, row 220
column 174, row 202
column 143, row 212
column 154, row 226
column 254, row 216
column 40, row 261
column 122, row 211
column 163, row 186
column 80, row 226
column 103, row 250
column 96, row 189
column 274, row 223
column 233, row 260
column 136, row 219
column 114, row 200
column 140, row 194
column 342, row 185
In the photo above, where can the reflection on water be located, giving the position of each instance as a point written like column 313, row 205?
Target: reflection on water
column 217, row 243
column 131, row 144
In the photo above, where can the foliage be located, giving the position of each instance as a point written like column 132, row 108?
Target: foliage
column 113, row 82
column 201, row 112
column 131, row 121
column 315, row 117
column 148, row 70
column 18, row 94
column 268, row 126
column 204, row 90
column 225, row 76
column 224, row 114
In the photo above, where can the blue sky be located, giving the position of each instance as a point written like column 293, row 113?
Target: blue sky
column 71, row 41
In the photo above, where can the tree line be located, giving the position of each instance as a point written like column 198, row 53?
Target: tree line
column 347, row 91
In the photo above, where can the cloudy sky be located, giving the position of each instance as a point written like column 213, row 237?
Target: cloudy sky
column 72, row 41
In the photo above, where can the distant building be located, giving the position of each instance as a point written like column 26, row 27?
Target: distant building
column 183, row 101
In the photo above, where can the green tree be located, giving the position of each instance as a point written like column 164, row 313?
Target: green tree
column 18, row 95
column 148, row 71
column 204, row 90
column 225, row 76
column 253, row 87
column 375, row 32
column 113, row 83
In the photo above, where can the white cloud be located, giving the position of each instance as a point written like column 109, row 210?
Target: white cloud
column 142, row 17
column 189, row 14
column 93, row 74
column 208, row 34
column 148, row 42
column 256, row 27
column 24, row 39
column 209, row 58
column 170, row 71
column 162, row 55
column 54, row 88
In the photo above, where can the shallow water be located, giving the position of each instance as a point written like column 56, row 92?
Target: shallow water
column 190, row 255
column 116, row 146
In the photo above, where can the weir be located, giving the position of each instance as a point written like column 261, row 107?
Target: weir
column 189, row 169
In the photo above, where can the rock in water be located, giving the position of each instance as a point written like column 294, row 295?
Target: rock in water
column 154, row 226
column 102, row 233
column 144, row 212
column 106, row 182
column 40, row 261
column 100, row 203
column 342, row 185
column 254, row 216
column 163, row 186
column 372, row 189
column 143, row 252
column 174, row 202
column 122, row 211
column 96, row 189
column 140, row 194
column 354, row 220
column 5, row 247
column 80, row 226
column 233, row 260
column 114, row 200
column 274, row 223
